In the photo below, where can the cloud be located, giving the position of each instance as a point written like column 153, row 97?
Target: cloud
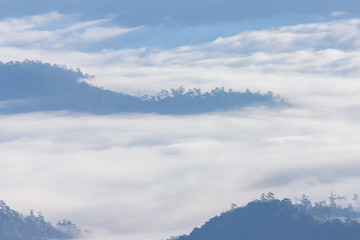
column 29, row 22
column 324, row 174
column 117, row 172
column 56, row 31
column 99, row 34
column 338, row 13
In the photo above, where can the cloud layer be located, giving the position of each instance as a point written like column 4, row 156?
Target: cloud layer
column 118, row 172
column 56, row 31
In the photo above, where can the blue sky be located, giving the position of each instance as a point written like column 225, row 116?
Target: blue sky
column 173, row 23
column 142, row 12
column 113, row 174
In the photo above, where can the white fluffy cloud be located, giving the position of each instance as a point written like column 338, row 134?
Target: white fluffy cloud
column 55, row 31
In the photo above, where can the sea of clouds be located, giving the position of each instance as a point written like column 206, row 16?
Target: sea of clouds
column 147, row 176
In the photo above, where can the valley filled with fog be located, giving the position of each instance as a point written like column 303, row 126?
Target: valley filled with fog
column 154, row 174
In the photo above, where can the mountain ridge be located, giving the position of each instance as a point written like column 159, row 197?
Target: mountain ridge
column 274, row 219
column 16, row 226
column 32, row 86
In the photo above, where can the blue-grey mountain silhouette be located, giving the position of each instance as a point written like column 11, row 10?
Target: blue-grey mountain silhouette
column 15, row 226
column 31, row 86
column 273, row 219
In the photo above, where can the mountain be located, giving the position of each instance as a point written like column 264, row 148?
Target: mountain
column 273, row 219
column 32, row 86
column 15, row 226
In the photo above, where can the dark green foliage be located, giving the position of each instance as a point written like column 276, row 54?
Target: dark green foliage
column 15, row 226
column 273, row 219
column 34, row 86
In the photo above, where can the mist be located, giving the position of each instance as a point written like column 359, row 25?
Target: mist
column 115, row 173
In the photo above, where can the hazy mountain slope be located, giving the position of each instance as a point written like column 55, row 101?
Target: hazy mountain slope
column 273, row 220
column 33, row 86
column 15, row 226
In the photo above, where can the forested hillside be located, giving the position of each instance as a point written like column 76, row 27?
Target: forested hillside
column 34, row 86
column 16, row 226
column 273, row 219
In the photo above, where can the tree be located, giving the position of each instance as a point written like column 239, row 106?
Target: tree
column 355, row 197
column 305, row 202
column 332, row 199
column 267, row 197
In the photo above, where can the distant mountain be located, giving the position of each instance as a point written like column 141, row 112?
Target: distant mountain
column 31, row 86
column 15, row 226
column 272, row 219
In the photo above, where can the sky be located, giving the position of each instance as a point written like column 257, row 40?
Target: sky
column 148, row 176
